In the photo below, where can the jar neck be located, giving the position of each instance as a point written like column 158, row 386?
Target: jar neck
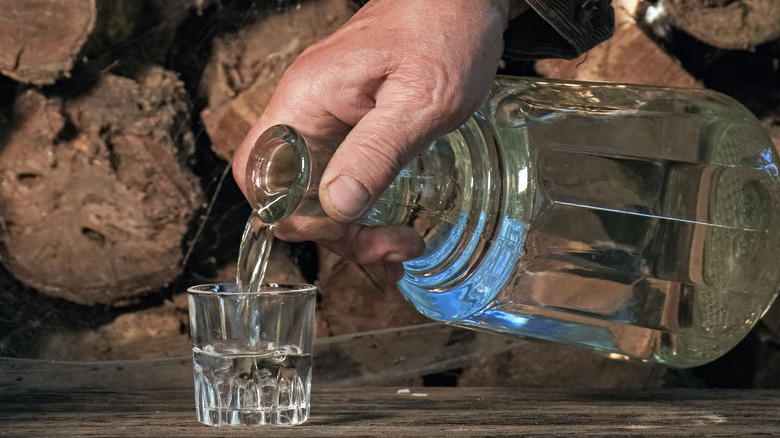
column 283, row 175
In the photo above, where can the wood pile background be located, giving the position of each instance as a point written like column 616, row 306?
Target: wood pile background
column 117, row 122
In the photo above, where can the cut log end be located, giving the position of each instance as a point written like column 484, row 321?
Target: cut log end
column 96, row 197
column 728, row 24
column 39, row 40
column 238, row 92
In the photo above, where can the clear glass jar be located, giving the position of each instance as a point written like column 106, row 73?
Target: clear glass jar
column 634, row 220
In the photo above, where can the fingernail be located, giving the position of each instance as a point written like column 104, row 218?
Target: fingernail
column 395, row 257
column 348, row 196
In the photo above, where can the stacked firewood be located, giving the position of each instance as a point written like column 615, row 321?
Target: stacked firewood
column 111, row 105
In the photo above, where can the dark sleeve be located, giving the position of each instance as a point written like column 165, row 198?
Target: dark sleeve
column 558, row 29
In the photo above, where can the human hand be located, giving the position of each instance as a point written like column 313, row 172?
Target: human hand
column 398, row 75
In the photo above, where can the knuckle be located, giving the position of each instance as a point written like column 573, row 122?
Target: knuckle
column 436, row 97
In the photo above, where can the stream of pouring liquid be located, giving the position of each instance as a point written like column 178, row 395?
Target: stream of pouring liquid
column 253, row 254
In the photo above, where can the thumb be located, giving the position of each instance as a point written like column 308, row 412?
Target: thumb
column 369, row 159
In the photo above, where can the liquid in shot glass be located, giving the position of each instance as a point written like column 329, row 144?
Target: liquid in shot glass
column 252, row 353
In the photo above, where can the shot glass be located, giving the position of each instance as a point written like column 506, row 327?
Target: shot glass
column 252, row 353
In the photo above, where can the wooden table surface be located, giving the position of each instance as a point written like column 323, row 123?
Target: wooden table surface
column 33, row 402
column 423, row 412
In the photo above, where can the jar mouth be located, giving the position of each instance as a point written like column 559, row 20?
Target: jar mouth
column 226, row 289
column 277, row 173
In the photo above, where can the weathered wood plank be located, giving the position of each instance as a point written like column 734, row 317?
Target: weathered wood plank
column 379, row 358
column 422, row 412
